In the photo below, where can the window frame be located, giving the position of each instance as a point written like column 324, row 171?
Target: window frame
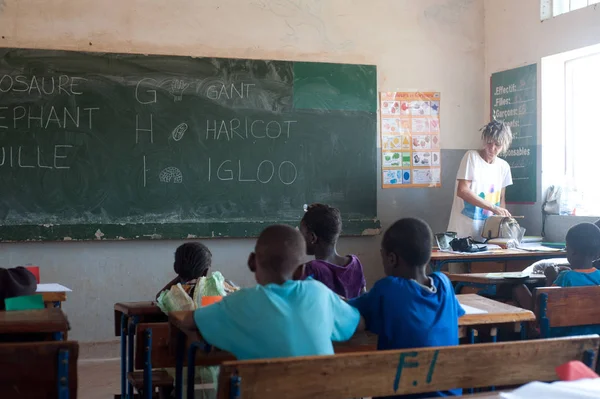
column 554, row 8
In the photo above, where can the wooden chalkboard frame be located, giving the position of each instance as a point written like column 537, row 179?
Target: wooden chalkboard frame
column 350, row 96
column 157, row 231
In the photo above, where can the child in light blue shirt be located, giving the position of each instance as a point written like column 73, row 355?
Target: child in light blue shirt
column 279, row 317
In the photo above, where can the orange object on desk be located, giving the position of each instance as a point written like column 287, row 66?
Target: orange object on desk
column 209, row 300
column 574, row 370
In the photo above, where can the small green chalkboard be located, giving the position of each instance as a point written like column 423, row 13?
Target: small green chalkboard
column 514, row 101
column 100, row 146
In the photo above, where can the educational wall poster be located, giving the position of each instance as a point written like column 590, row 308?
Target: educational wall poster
column 410, row 139
column 514, row 101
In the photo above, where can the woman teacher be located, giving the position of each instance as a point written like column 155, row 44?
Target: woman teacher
column 481, row 182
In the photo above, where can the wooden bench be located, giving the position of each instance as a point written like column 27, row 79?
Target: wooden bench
column 127, row 316
column 39, row 370
column 400, row 372
column 566, row 307
column 152, row 351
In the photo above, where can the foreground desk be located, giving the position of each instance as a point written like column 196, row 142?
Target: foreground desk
column 485, row 280
column 440, row 258
column 498, row 313
column 53, row 294
column 127, row 316
column 47, row 322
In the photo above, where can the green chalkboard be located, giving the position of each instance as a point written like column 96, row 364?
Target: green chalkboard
column 514, row 101
column 122, row 146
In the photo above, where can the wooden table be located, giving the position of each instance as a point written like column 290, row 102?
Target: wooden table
column 440, row 258
column 484, row 280
column 498, row 313
column 127, row 316
column 182, row 336
column 54, row 299
column 52, row 322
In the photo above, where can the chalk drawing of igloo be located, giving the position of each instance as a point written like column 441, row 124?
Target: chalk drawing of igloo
column 170, row 175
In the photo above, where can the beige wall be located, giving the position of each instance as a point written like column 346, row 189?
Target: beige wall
column 425, row 44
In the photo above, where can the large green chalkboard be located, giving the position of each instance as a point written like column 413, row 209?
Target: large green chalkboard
column 121, row 146
column 514, row 101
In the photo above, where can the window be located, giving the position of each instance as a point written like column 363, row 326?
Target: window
column 553, row 8
column 570, row 125
column 582, row 88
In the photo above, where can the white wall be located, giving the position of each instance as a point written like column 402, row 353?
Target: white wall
column 426, row 44
column 515, row 36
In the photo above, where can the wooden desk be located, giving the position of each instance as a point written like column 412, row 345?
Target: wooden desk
column 127, row 316
column 497, row 312
column 483, row 280
column 43, row 321
column 181, row 336
column 55, row 295
column 54, row 299
column 439, row 258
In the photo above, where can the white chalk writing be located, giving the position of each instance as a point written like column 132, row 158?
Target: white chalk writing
column 216, row 92
column 138, row 129
column 41, row 86
column 237, row 129
column 264, row 173
column 20, row 117
column 33, row 157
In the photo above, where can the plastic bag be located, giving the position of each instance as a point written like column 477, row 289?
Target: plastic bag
column 209, row 286
column 175, row 299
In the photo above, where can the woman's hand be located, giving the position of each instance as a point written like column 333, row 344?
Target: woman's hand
column 501, row 211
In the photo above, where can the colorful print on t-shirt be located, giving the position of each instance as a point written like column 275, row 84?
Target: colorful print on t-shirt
column 476, row 213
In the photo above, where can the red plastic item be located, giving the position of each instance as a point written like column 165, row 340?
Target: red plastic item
column 575, row 370
column 35, row 270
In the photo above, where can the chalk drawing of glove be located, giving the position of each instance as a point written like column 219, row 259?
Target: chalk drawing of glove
column 177, row 88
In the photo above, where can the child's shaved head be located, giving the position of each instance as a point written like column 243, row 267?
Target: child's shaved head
column 280, row 251
column 584, row 240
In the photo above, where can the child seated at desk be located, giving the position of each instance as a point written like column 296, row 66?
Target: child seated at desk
column 193, row 261
column 583, row 248
column 280, row 317
column 321, row 227
column 16, row 281
column 409, row 309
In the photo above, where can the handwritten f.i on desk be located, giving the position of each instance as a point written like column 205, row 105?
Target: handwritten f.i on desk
column 404, row 363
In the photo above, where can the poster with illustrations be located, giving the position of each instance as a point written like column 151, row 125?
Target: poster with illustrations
column 410, row 139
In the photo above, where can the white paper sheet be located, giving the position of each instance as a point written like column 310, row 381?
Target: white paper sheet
column 52, row 287
column 582, row 389
column 538, row 248
column 471, row 310
column 507, row 275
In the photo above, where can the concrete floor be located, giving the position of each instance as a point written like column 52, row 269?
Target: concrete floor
column 99, row 379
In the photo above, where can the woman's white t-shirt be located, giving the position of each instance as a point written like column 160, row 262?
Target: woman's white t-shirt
column 487, row 181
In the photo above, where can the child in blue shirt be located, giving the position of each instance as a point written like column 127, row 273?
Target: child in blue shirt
column 408, row 309
column 583, row 248
column 280, row 317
